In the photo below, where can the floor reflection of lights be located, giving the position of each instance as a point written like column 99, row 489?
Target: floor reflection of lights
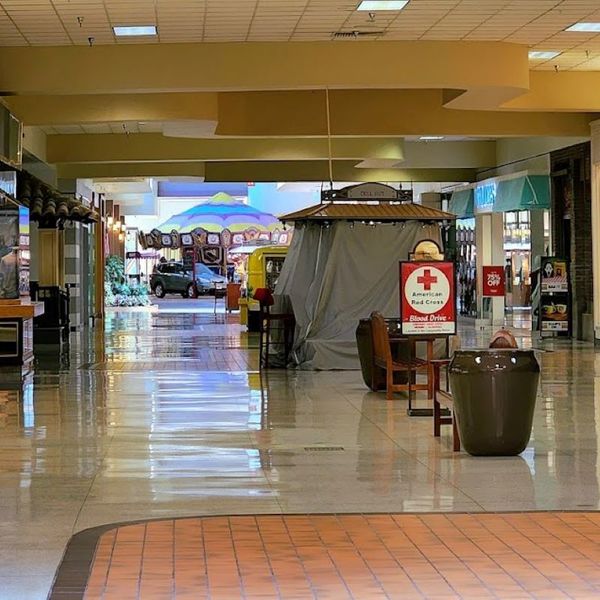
column 167, row 416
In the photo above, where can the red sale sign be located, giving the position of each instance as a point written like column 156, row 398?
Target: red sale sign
column 493, row 282
column 427, row 298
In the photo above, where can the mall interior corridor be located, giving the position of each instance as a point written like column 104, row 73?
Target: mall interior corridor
column 167, row 416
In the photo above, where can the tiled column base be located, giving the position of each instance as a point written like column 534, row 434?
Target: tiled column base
column 487, row 555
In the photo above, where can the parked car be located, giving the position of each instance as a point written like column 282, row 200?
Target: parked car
column 173, row 277
column 207, row 281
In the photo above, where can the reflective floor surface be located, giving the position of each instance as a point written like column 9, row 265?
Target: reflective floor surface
column 167, row 416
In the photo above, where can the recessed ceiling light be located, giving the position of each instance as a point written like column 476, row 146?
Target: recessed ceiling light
column 374, row 5
column 582, row 26
column 431, row 138
column 136, row 30
column 542, row 54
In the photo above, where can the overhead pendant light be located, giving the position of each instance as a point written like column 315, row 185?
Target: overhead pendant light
column 135, row 30
column 375, row 5
column 431, row 138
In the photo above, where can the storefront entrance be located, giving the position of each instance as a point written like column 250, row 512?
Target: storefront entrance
column 517, row 249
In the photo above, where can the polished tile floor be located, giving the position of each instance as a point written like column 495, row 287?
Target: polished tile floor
column 166, row 416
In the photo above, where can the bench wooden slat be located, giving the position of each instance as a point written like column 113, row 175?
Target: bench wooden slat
column 383, row 359
column 443, row 398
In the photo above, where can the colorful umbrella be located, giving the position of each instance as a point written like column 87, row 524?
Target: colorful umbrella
column 222, row 211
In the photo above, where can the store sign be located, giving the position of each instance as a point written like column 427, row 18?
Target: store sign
column 555, row 297
column 554, row 275
column 554, row 314
column 493, row 282
column 427, row 298
column 485, row 197
column 8, row 183
column 372, row 191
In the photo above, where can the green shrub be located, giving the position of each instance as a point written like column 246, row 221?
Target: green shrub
column 117, row 291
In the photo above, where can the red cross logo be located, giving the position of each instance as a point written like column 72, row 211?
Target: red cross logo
column 427, row 280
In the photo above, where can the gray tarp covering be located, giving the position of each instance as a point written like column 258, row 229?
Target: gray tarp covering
column 338, row 275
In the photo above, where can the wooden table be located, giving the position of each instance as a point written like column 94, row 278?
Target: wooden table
column 430, row 340
column 16, row 326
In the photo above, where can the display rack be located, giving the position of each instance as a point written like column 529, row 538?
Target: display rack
column 555, row 312
column 466, row 270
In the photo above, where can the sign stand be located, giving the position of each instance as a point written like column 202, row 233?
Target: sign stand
column 427, row 308
column 555, row 316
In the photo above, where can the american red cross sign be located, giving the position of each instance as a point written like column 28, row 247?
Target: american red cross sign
column 427, row 298
column 427, row 279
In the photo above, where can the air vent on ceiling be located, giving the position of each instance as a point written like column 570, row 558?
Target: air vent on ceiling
column 339, row 35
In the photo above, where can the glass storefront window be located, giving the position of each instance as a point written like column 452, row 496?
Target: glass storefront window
column 517, row 230
column 517, row 248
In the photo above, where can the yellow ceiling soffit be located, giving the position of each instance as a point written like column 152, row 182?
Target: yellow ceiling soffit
column 302, row 113
column 260, row 171
column 154, row 147
column 562, row 91
column 105, row 108
column 478, row 68
column 122, row 170
column 318, row 171
column 113, row 148
column 380, row 113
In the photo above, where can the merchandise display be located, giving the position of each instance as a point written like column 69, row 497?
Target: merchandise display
column 466, row 268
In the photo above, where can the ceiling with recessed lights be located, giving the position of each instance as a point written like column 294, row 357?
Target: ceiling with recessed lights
column 539, row 24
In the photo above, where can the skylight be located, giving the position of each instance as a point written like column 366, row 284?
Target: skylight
column 583, row 26
column 375, row 5
column 135, row 30
column 542, row 54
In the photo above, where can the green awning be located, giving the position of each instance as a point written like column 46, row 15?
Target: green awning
column 530, row 192
column 462, row 204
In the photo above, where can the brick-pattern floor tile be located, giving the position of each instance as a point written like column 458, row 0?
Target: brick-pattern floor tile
column 366, row 557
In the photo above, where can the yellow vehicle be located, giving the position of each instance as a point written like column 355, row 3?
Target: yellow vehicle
column 263, row 270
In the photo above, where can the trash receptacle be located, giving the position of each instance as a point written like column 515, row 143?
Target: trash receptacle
column 494, row 392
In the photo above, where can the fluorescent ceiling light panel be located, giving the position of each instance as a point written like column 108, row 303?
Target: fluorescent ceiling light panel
column 582, row 26
column 431, row 138
column 374, row 5
column 542, row 54
column 136, row 30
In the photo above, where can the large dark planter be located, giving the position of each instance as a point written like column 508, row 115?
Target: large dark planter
column 494, row 395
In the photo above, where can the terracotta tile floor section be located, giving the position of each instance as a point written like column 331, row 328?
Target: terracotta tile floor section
column 404, row 556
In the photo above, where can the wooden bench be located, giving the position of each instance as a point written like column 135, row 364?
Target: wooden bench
column 382, row 357
column 443, row 398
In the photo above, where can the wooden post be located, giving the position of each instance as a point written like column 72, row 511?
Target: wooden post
column 100, row 258
column 51, row 252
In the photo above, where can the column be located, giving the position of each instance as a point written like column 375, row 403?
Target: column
column 489, row 241
column 73, row 244
column 100, row 256
column 34, row 261
column 537, row 235
column 51, row 269
column 596, row 225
